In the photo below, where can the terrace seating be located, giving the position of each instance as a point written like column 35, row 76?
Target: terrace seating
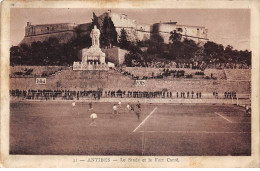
column 115, row 79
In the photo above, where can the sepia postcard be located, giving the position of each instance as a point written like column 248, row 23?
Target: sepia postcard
column 129, row 83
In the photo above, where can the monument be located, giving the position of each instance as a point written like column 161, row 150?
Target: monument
column 92, row 58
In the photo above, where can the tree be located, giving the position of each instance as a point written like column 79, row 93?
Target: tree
column 15, row 55
column 189, row 49
column 26, row 54
column 211, row 52
column 247, row 57
column 133, row 59
column 175, row 50
column 176, row 46
column 109, row 34
column 82, row 41
column 94, row 22
column 157, row 38
column 175, row 37
column 38, row 53
column 229, row 48
column 244, row 57
column 123, row 41
column 198, row 56
column 54, row 51
column 228, row 54
column 156, row 45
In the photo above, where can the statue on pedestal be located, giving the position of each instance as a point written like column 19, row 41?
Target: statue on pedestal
column 92, row 58
column 95, row 34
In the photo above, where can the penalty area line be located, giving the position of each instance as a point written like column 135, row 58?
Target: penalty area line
column 224, row 117
column 145, row 119
column 230, row 121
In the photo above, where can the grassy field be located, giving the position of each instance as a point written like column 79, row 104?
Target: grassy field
column 164, row 129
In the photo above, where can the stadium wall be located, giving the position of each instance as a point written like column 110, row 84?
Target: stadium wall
column 241, row 87
column 237, row 80
column 113, row 80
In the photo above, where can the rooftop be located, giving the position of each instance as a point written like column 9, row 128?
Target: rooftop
column 190, row 26
column 52, row 24
column 171, row 22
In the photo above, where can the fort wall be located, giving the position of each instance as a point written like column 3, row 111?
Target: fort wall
column 135, row 31
column 196, row 33
column 31, row 30
column 63, row 37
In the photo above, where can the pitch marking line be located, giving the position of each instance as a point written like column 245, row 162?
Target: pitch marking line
column 201, row 132
column 145, row 119
column 224, row 117
column 230, row 120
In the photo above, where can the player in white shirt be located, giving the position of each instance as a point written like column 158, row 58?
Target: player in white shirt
column 93, row 117
column 115, row 110
column 128, row 107
column 248, row 111
column 119, row 106
column 73, row 107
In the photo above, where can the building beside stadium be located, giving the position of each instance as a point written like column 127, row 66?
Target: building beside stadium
column 136, row 31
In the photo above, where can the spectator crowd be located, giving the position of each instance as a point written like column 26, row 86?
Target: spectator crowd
column 100, row 93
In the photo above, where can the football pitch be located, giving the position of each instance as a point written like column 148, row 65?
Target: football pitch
column 58, row 128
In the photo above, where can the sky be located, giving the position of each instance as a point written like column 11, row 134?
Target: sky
column 225, row 26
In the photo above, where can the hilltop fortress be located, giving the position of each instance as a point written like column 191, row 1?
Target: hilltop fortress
column 135, row 31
